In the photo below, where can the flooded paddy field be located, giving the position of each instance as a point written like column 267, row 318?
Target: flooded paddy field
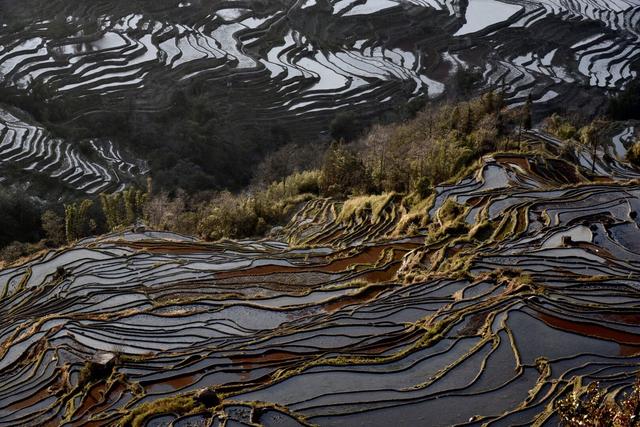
column 296, row 63
column 303, row 53
column 344, row 320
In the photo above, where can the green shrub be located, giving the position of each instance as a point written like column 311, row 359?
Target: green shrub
column 356, row 206
column 633, row 155
column 293, row 185
column 229, row 216
column 449, row 211
column 560, row 127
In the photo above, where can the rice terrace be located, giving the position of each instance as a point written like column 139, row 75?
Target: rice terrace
column 319, row 213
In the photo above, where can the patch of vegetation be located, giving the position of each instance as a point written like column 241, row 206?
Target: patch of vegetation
column 288, row 161
column 449, row 211
column 434, row 146
column 17, row 250
column 78, row 221
column 561, row 127
column 595, row 408
column 123, row 208
column 181, row 405
column 53, row 227
column 574, row 132
column 356, row 207
column 482, row 231
column 19, row 216
column 343, row 173
column 94, row 371
column 227, row 215
column 633, row 155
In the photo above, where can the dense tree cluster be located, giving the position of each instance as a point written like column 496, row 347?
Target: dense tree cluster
column 78, row 222
column 19, row 216
column 626, row 105
column 466, row 80
column 432, row 147
column 123, row 208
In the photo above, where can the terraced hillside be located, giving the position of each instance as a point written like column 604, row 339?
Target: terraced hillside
column 298, row 64
column 98, row 168
column 516, row 285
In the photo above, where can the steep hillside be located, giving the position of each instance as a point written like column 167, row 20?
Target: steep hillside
column 486, row 304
